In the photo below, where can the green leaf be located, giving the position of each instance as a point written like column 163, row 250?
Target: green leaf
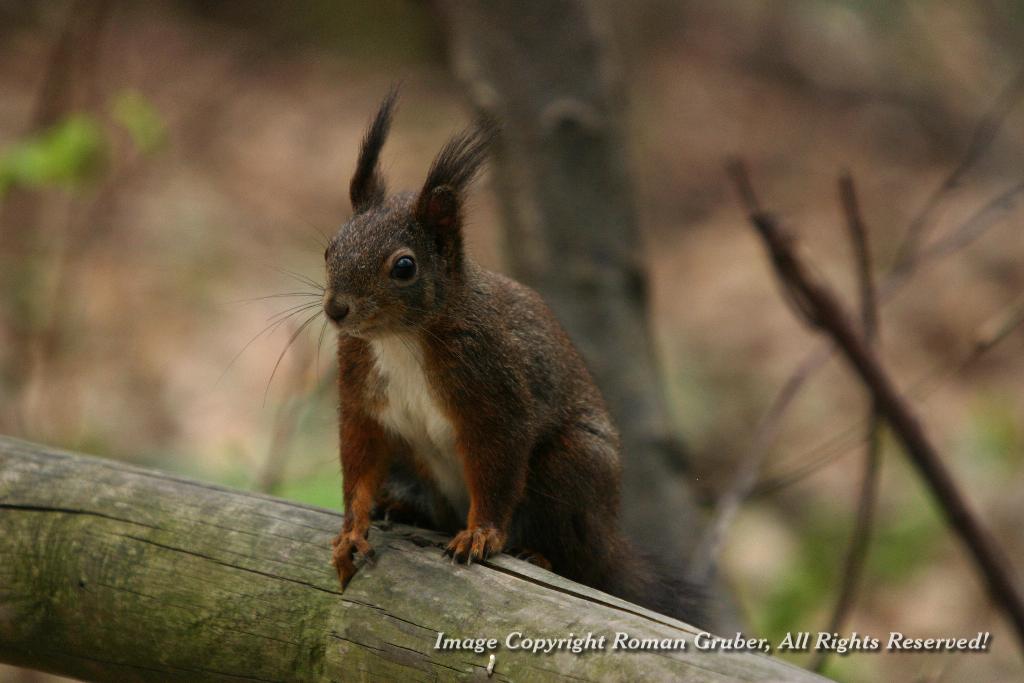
column 68, row 154
column 139, row 117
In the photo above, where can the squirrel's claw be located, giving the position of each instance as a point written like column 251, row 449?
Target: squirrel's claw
column 346, row 545
column 477, row 544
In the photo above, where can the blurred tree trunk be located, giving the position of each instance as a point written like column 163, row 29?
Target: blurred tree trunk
column 546, row 71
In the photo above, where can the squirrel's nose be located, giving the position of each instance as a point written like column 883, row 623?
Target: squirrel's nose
column 336, row 310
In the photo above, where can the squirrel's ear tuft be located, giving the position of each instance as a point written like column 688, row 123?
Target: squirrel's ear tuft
column 367, row 188
column 455, row 167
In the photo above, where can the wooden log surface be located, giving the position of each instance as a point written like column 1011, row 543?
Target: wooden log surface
column 113, row 572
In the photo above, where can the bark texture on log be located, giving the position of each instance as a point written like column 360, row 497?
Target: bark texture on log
column 547, row 71
column 115, row 573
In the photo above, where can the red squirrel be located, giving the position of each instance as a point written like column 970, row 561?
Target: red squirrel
column 464, row 405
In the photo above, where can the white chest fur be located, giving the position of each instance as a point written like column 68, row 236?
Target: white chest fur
column 412, row 412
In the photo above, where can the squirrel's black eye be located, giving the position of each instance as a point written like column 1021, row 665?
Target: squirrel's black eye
column 404, row 268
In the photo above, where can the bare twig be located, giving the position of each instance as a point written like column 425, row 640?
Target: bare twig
column 904, row 266
column 980, row 221
column 702, row 563
column 862, row 257
column 998, row 328
column 968, row 231
column 827, row 314
column 981, row 139
column 988, row 336
column 860, row 539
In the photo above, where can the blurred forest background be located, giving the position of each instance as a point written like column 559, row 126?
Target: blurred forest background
column 163, row 164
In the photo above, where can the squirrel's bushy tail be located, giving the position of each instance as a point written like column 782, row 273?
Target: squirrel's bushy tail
column 642, row 579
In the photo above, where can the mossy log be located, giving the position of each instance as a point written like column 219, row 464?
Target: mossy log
column 114, row 573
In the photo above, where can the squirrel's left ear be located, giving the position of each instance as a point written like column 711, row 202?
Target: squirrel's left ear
column 455, row 167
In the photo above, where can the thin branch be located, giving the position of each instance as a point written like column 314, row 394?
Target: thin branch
column 980, row 221
column 829, row 317
column 968, row 231
column 862, row 257
column 904, row 266
column 981, row 139
column 860, row 539
column 988, row 336
column 998, row 328
column 702, row 563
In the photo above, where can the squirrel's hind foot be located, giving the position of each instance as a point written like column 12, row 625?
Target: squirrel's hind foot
column 531, row 556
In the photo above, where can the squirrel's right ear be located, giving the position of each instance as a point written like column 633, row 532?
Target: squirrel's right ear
column 367, row 188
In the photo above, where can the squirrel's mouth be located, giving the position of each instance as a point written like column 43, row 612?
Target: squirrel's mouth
column 364, row 328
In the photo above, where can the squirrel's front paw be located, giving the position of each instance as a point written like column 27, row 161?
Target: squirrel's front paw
column 346, row 545
column 478, row 544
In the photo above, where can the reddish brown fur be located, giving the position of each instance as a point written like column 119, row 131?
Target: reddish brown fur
column 539, row 453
